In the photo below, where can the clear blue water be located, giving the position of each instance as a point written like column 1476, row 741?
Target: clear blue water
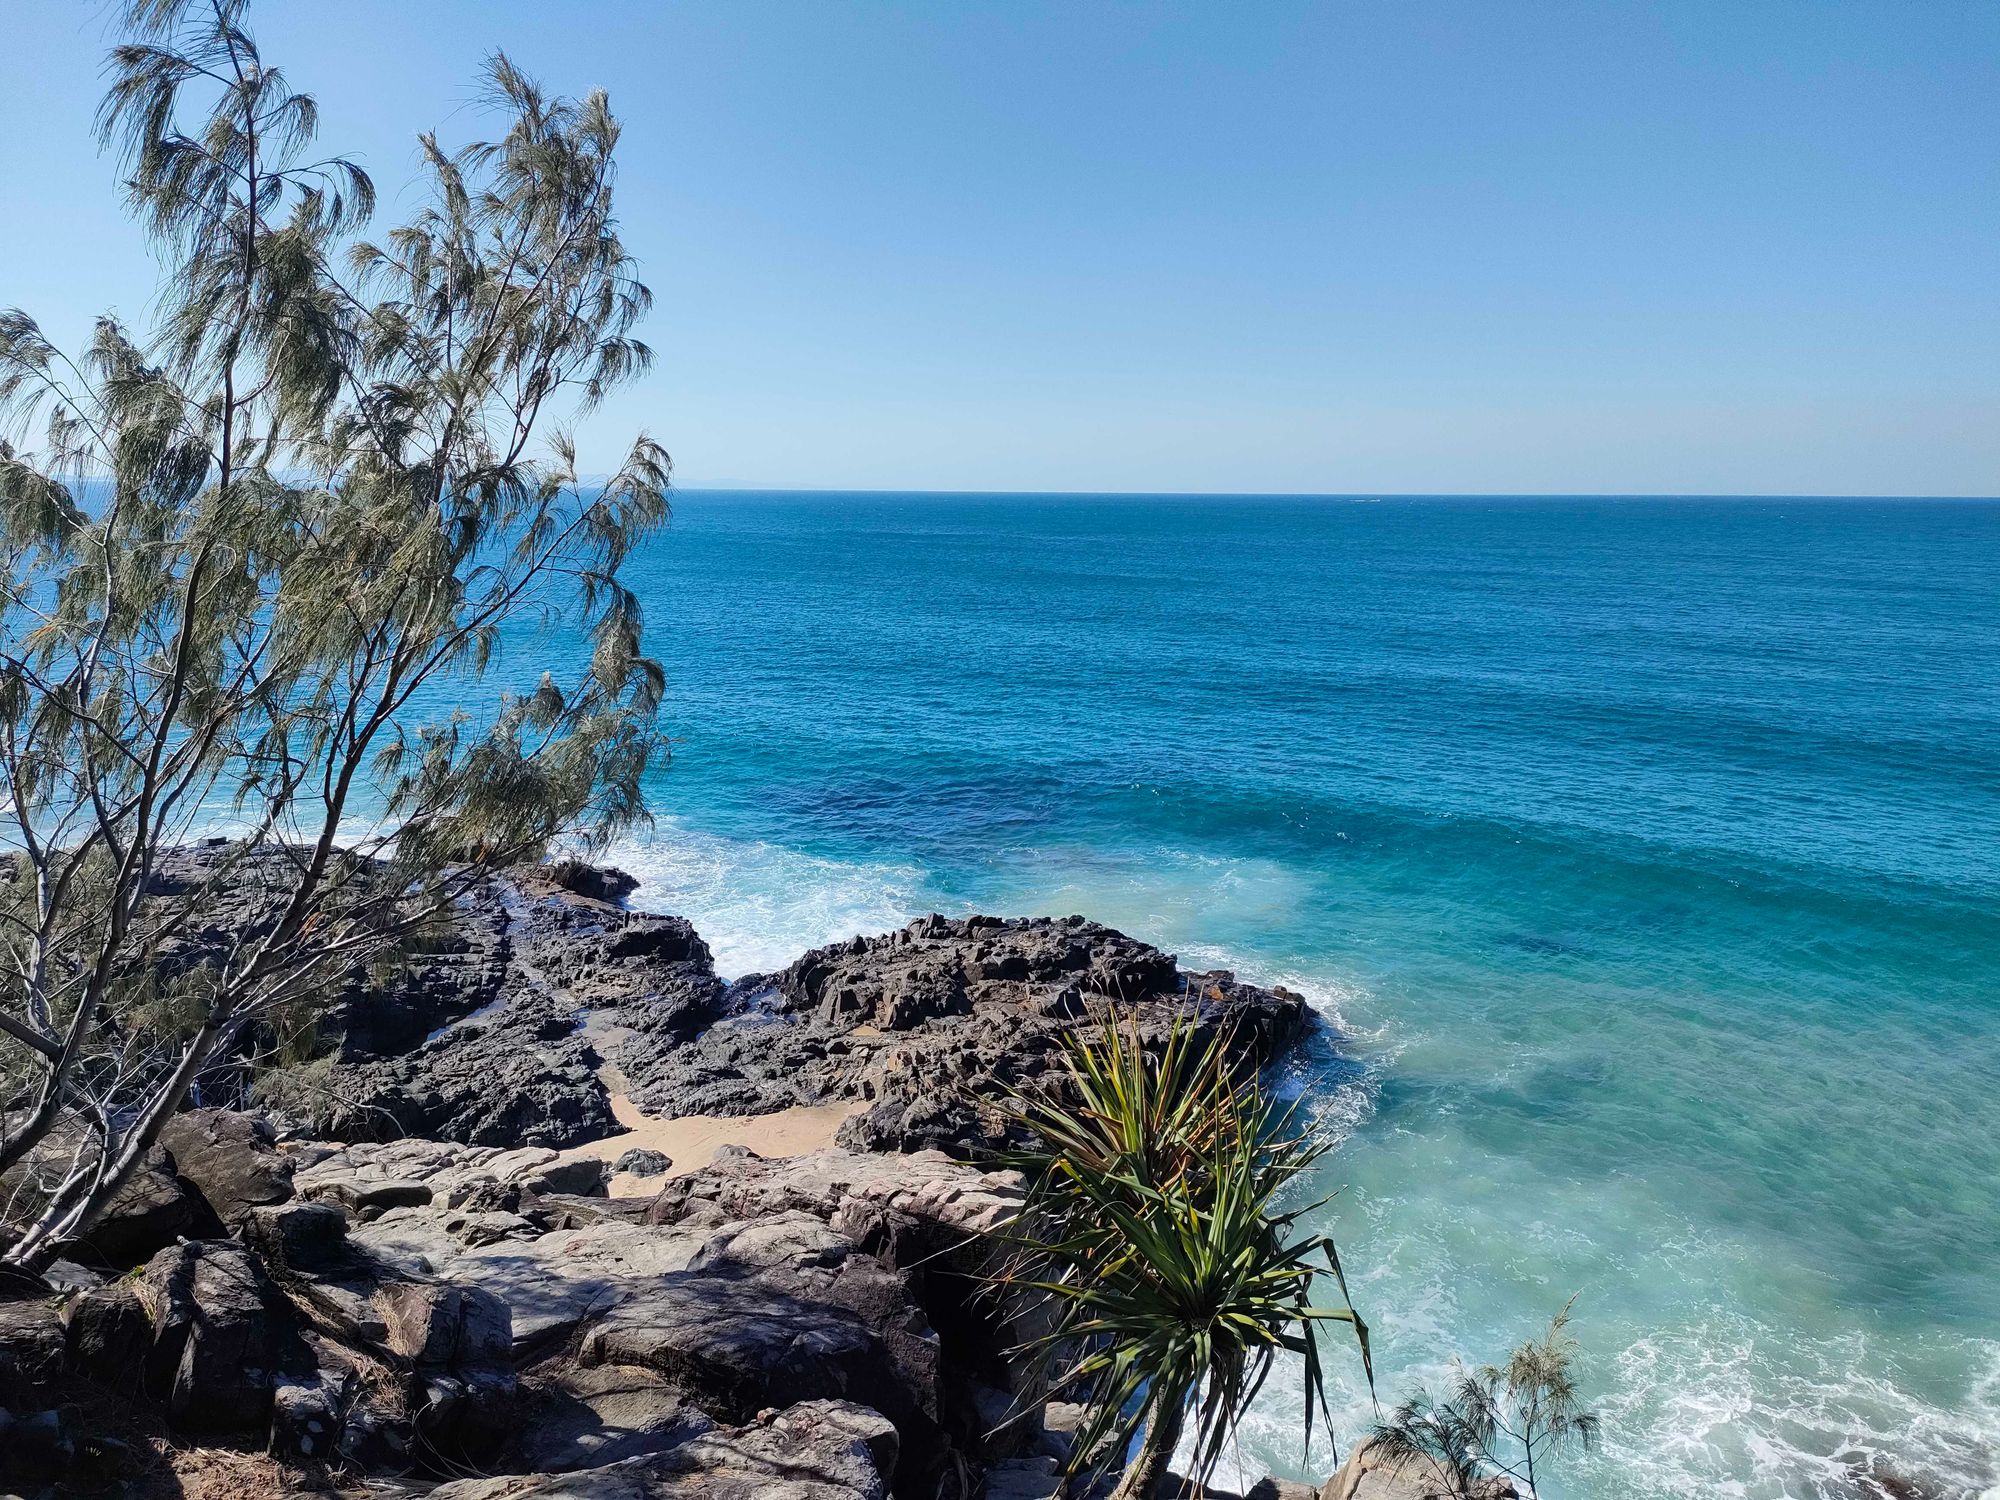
column 1644, row 856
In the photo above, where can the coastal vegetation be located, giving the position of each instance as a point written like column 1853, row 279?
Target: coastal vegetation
column 1157, row 1235
column 1496, row 1420
column 248, row 556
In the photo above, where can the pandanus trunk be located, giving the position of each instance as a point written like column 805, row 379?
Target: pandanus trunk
column 1148, row 1471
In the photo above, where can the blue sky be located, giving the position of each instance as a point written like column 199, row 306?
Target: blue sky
column 1409, row 246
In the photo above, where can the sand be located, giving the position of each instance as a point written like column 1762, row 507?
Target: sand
column 691, row 1140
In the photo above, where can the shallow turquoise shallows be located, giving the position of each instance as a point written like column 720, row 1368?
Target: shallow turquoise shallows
column 1643, row 857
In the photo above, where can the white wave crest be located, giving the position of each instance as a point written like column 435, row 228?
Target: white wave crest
column 759, row 905
column 1734, row 1409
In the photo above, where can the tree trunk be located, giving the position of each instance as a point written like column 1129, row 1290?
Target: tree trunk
column 1148, row 1471
column 72, row 1213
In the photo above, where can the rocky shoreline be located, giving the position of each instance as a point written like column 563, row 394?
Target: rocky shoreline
column 399, row 1258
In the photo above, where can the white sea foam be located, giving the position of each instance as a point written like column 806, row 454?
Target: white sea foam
column 759, row 905
column 1712, row 1403
column 1730, row 1408
column 1722, row 1408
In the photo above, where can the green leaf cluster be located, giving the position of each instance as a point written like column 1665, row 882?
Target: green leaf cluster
column 1154, row 1241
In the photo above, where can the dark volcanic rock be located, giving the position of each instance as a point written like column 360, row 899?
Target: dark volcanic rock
column 523, row 1077
column 149, row 1211
column 929, row 1021
column 543, row 993
column 218, row 1330
column 599, row 882
column 488, row 1039
column 31, row 1349
column 106, row 1334
column 228, row 1158
column 643, row 1163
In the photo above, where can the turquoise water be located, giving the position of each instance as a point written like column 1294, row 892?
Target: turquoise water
column 1643, row 855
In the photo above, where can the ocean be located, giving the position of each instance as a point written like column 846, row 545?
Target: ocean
column 1641, row 855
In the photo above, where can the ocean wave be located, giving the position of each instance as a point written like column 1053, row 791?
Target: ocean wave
column 1735, row 1409
column 760, row 905
column 1725, row 1409
column 1710, row 1402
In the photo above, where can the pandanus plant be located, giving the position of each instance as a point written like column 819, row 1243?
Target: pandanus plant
column 1152, row 1235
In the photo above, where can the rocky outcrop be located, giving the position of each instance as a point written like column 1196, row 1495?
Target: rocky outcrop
column 403, row 1270
column 734, row 1313
column 504, row 1025
column 817, row 1450
column 928, row 1021
column 482, row 1036
column 520, row 1075
column 505, row 1029
column 1371, row 1474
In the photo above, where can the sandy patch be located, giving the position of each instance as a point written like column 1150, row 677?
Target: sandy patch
column 691, row 1140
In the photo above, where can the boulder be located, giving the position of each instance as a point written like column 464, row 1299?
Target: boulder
column 31, row 1350
column 307, row 1412
column 737, row 1347
column 230, row 1159
column 809, row 1260
column 1370, row 1474
column 586, row 1418
column 146, row 1215
column 107, row 1334
column 296, row 1237
column 641, row 1162
column 598, row 882
column 437, row 1325
column 816, row 1450
column 217, row 1329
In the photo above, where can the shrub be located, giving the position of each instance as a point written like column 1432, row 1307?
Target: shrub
column 1152, row 1236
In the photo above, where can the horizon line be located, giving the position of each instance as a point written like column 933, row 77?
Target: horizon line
column 1349, row 495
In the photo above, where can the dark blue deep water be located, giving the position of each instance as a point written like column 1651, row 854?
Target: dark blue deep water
column 1643, row 855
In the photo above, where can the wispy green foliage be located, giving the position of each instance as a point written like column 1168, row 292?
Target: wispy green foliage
column 244, row 553
column 1498, row 1419
column 1153, row 1234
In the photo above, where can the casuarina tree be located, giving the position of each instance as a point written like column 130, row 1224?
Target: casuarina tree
column 1499, row 1420
column 261, row 563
